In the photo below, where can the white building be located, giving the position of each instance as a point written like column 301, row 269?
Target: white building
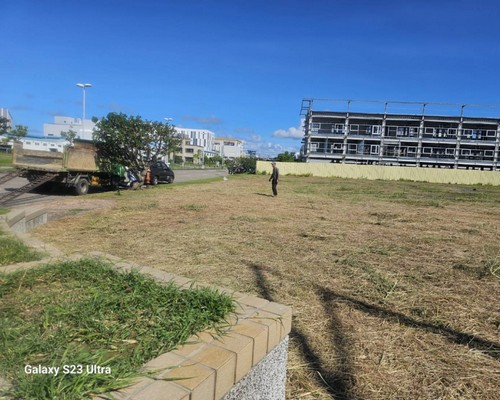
column 5, row 113
column 65, row 124
column 198, row 137
column 44, row 143
column 229, row 148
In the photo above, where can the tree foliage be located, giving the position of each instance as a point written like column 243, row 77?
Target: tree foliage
column 69, row 135
column 4, row 125
column 242, row 164
column 286, row 157
column 132, row 142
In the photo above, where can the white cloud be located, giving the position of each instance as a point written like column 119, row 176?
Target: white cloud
column 290, row 133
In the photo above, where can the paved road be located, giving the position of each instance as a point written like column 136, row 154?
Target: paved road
column 38, row 196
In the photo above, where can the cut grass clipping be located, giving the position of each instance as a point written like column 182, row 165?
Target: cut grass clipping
column 14, row 251
column 82, row 314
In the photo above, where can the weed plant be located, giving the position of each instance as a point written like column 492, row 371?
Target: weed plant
column 84, row 313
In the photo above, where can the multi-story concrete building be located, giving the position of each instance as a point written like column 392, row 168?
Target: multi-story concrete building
column 188, row 153
column 65, row 124
column 198, row 137
column 420, row 139
column 44, row 143
column 228, row 148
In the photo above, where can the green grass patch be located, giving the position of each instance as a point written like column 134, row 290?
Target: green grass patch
column 5, row 159
column 13, row 251
column 81, row 314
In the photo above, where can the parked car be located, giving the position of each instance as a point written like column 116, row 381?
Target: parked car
column 161, row 172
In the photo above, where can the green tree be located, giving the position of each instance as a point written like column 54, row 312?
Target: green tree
column 69, row 135
column 286, row 157
column 132, row 142
column 214, row 161
column 19, row 132
column 4, row 125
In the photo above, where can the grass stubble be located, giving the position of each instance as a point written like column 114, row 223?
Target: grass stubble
column 394, row 285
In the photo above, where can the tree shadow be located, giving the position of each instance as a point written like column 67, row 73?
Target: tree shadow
column 489, row 348
column 339, row 383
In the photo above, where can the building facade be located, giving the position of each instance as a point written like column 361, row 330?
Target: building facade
column 229, row 148
column 83, row 129
column 44, row 144
column 419, row 140
column 198, row 137
column 188, row 153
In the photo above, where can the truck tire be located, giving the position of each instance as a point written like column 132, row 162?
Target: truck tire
column 154, row 180
column 170, row 179
column 82, row 187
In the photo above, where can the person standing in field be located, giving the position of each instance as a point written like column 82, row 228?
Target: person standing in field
column 274, row 178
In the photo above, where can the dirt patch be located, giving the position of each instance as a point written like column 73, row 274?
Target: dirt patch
column 71, row 206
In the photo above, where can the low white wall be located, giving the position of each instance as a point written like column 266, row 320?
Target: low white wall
column 375, row 172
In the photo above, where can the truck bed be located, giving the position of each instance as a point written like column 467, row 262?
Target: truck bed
column 81, row 157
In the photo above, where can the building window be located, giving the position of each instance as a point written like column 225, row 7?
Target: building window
column 229, row 143
column 189, row 150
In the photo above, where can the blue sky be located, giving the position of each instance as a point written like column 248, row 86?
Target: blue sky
column 241, row 68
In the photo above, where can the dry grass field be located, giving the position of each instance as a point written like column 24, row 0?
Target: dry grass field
column 394, row 285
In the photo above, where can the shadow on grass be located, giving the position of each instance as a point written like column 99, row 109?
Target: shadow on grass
column 264, row 194
column 489, row 348
column 340, row 383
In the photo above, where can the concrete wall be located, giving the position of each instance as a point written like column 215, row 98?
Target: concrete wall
column 25, row 220
column 374, row 172
column 266, row 381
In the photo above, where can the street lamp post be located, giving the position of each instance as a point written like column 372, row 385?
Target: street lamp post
column 167, row 121
column 83, row 86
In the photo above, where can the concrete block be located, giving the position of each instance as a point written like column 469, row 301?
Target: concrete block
column 243, row 347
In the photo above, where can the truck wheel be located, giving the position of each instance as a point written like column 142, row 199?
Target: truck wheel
column 170, row 179
column 82, row 187
column 154, row 181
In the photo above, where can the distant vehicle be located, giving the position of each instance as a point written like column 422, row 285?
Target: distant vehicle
column 161, row 172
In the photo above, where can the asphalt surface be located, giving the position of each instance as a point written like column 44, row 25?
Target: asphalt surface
column 37, row 196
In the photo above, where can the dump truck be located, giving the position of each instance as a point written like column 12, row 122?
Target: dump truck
column 76, row 167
